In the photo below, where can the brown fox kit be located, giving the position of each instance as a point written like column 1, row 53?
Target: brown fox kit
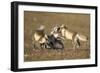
column 74, row 36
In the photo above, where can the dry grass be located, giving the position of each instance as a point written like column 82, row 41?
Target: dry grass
column 51, row 54
column 76, row 22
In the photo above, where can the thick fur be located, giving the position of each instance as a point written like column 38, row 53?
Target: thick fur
column 74, row 36
column 39, row 39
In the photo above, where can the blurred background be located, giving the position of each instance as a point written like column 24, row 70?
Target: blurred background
column 76, row 22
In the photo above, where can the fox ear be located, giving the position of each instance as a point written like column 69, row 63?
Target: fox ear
column 42, row 27
column 64, row 26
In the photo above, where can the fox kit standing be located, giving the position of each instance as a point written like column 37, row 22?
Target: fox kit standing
column 74, row 36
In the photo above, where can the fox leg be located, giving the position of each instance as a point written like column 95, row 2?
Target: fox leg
column 75, row 41
column 74, row 45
